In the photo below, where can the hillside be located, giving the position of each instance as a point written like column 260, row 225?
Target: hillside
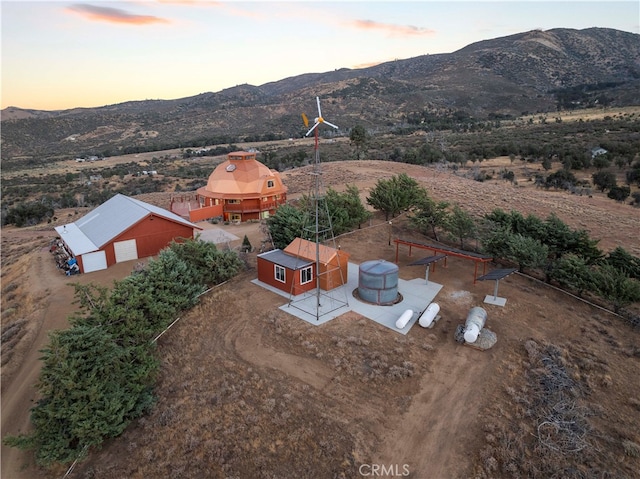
column 536, row 71
column 247, row 390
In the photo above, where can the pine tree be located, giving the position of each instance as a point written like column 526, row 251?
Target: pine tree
column 246, row 245
column 91, row 388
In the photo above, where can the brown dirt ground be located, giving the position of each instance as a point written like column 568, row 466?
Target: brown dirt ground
column 246, row 390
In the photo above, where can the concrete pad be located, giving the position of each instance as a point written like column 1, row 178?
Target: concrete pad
column 416, row 295
column 217, row 236
column 495, row 300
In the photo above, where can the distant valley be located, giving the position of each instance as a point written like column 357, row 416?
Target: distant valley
column 527, row 73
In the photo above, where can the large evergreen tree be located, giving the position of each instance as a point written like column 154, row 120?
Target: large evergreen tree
column 346, row 209
column 285, row 225
column 394, row 195
column 572, row 272
column 91, row 389
column 429, row 215
column 525, row 251
column 615, row 286
column 460, row 225
column 625, row 262
column 604, row 180
column 359, row 138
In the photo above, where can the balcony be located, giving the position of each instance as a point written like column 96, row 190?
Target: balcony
column 252, row 207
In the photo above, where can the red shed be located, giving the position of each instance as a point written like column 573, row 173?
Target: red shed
column 286, row 272
column 293, row 270
column 121, row 229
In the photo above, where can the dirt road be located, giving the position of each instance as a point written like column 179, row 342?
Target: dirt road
column 54, row 295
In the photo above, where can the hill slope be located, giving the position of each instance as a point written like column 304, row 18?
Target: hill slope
column 534, row 71
column 246, row 390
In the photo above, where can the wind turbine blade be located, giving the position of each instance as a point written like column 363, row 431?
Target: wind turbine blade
column 305, row 120
column 319, row 112
column 330, row 124
column 312, row 128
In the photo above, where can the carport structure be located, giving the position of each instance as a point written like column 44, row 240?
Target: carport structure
column 477, row 258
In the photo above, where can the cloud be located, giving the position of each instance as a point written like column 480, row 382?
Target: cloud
column 113, row 15
column 394, row 30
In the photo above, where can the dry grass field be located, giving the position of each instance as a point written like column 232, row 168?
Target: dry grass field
column 248, row 391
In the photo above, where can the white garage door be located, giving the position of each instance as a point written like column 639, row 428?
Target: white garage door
column 125, row 250
column 94, row 261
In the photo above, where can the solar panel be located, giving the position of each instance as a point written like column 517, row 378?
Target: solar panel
column 429, row 259
column 497, row 274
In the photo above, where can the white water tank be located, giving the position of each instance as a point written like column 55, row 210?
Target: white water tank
column 428, row 315
column 404, row 318
column 474, row 323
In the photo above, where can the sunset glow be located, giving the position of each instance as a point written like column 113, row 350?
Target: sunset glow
column 58, row 55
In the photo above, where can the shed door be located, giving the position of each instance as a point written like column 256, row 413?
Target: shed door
column 94, row 261
column 125, row 250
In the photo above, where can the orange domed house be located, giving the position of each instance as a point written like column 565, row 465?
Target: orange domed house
column 240, row 189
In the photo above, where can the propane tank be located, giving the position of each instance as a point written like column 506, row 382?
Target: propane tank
column 474, row 323
column 428, row 315
column 404, row 319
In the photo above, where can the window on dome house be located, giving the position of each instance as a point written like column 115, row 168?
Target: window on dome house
column 270, row 184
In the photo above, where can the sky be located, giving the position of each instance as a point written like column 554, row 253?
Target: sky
column 64, row 54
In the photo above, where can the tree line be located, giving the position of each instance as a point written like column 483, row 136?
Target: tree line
column 568, row 257
column 549, row 247
column 99, row 375
column 338, row 213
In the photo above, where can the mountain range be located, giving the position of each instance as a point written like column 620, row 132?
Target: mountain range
column 526, row 73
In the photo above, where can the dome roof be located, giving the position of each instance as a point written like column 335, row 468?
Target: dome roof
column 241, row 175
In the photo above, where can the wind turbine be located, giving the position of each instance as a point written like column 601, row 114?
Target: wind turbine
column 318, row 229
column 317, row 121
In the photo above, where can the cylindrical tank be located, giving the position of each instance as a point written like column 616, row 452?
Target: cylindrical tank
column 428, row 315
column 404, row 318
column 378, row 282
column 474, row 323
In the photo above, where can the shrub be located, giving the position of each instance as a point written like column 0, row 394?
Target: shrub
column 28, row 214
column 619, row 193
column 561, row 179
